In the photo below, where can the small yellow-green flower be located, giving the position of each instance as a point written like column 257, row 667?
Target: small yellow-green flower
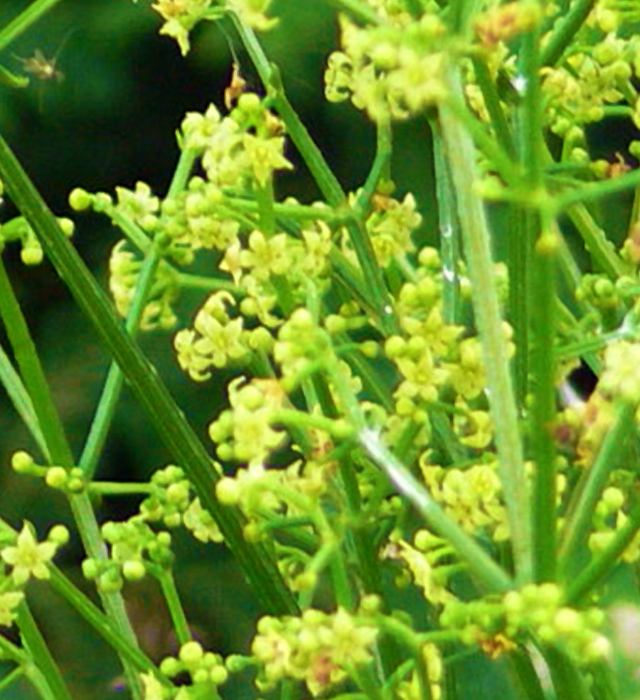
column 29, row 557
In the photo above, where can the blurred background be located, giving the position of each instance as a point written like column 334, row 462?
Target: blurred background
column 111, row 121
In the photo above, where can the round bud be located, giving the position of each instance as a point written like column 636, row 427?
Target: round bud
column 133, row 570
column 79, row 199
column 191, row 653
column 59, row 535
column 21, row 461
column 56, row 477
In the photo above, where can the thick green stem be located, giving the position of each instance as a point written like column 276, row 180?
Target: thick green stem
column 543, row 408
column 476, row 240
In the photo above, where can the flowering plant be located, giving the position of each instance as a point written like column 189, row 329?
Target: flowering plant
column 403, row 470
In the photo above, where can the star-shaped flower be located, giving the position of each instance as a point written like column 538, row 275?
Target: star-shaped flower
column 29, row 557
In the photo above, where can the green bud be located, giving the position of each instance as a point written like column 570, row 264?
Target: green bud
column 80, row 199
column 191, row 653
column 134, row 570
column 21, row 462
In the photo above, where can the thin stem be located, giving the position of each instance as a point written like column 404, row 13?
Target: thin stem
column 602, row 565
column 113, row 602
column 115, row 379
column 482, row 566
column 568, row 681
column 476, row 240
column 102, row 625
column 450, row 235
column 178, row 618
column 596, row 190
column 499, row 122
column 587, row 493
column 24, row 20
column 116, row 488
column 563, row 35
column 21, row 401
column 32, row 373
column 39, row 651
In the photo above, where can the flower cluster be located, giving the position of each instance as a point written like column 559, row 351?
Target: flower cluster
column 390, row 226
column 391, row 71
column 472, row 497
column 66, row 480
column 173, row 503
column 215, row 339
column 181, row 16
column 244, row 148
column 602, row 70
column 134, row 549
column 318, row 648
column 244, row 432
column 620, row 377
column 500, row 625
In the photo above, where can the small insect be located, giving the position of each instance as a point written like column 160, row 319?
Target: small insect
column 41, row 67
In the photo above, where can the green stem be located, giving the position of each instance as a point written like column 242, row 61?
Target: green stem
column 602, row 565
column 21, row 401
column 115, row 379
column 568, row 681
column 596, row 190
column 113, row 602
column 498, row 119
column 102, row 625
column 476, row 240
column 116, row 488
column 380, row 170
column 152, row 394
column 37, row 648
column 563, row 35
column 170, row 592
column 374, row 287
column 482, row 566
column 8, row 680
column 541, row 243
column 588, row 492
column 32, row 373
column 53, row 432
column 24, row 20
column 450, row 237
column 543, row 408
